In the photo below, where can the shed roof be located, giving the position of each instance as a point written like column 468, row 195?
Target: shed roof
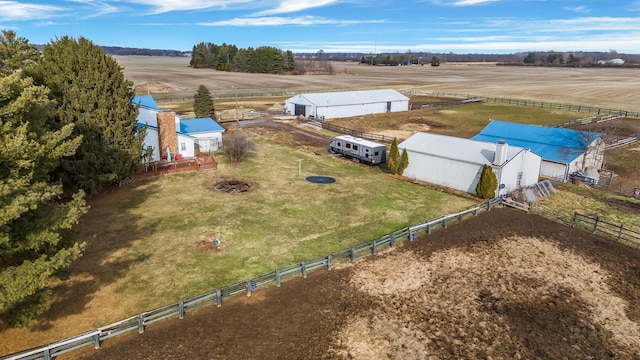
column 351, row 97
column 552, row 144
column 199, row 125
column 145, row 101
column 476, row 152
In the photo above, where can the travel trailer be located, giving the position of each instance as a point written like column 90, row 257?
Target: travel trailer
column 359, row 150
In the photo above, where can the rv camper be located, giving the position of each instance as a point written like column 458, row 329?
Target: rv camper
column 360, row 150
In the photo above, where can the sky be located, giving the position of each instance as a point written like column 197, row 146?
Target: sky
column 345, row 26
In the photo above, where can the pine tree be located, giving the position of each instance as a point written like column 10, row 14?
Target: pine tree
column 488, row 183
column 34, row 218
column 404, row 162
column 203, row 103
column 15, row 53
column 92, row 94
column 394, row 157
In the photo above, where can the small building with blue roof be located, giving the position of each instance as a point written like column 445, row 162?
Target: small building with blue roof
column 563, row 151
column 184, row 137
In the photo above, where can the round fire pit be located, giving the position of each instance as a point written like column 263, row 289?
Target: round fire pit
column 320, row 179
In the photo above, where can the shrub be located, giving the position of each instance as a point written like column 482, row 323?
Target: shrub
column 487, row 184
column 237, row 146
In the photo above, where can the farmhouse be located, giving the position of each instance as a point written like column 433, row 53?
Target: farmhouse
column 183, row 137
column 457, row 163
column 346, row 104
column 563, row 151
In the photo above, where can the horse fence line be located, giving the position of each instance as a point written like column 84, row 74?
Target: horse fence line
column 596, row 225
column 141, row 321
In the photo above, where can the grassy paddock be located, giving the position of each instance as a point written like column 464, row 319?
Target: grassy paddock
column 148, row 232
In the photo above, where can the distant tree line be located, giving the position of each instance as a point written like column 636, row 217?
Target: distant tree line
column 228, row 57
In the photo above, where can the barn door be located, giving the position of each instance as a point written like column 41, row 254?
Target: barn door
column 300, row 110
column 388, row 106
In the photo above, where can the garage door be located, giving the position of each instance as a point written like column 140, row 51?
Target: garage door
column 300, row 110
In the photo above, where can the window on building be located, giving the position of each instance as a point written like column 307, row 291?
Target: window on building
column 519, row 183
column 183, row 146
column 355, row 147
column 376, row 153
column 348, row 146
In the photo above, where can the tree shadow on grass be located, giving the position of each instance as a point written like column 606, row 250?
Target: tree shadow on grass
column 108, row 229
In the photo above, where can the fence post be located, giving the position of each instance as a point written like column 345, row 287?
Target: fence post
column 595, row 224
column 218, row 297
column 140, row 324
column 96, row 341
column 303, row 268
column 374, row 248
column 47, row 354
column 429, row 229
column 328, row 262
column 574, row 218
column 247, row 285
column 181, row 310
column 392, row 240
column 352, row 254
column 411, row 234
column 620, row 232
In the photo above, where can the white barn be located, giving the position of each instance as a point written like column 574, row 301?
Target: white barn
column 346, row 104
column 457, row 163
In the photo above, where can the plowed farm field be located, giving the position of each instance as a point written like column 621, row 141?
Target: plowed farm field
column 501, row 285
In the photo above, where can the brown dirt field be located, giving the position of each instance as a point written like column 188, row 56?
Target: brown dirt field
column 611, row 88
column 502, row 285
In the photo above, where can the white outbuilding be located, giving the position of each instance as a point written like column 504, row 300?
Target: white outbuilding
column 346, row 103
column 457, row 163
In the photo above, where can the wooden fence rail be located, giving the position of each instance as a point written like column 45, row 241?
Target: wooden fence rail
column 361, row 134
column 540, row 104
column 618, row 231
column 141, row 321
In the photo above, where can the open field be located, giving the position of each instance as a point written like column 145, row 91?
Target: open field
column 610, row 88
column 144, row 240
column 502, row 285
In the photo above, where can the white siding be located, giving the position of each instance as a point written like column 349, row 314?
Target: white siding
column 147, row 116
column 553, row 170
column 525, row 165
column 186, row 145
column 151, row 139
column 441, row 171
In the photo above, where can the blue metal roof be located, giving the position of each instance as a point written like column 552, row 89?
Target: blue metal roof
column 199, row 125
column 145, row 101
column 552, row 144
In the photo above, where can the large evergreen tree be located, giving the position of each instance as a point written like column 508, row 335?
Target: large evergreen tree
column 33, row 216
column 92, row 94
column 203, row 103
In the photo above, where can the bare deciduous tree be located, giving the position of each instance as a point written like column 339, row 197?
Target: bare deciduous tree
column 237, row 146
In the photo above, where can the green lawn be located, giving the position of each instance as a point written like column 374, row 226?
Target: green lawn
column 144, row 237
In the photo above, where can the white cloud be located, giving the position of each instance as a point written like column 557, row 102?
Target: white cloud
column 578, row 9
column 289, row 6
column 287, row 21
column 461, row 2
column 13, row 10
column 163, row 6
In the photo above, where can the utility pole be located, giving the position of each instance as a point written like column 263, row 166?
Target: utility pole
column 237, row 112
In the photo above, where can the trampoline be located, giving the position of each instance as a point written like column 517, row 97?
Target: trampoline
column 320, row 179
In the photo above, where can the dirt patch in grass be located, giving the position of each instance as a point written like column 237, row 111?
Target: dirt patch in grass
column 232, row 186
column 504, row 284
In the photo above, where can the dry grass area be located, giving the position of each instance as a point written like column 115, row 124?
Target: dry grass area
column 458, row 303
column 611, row 88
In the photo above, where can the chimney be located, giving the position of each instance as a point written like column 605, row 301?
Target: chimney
column 500, row 156
column 167, row 133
